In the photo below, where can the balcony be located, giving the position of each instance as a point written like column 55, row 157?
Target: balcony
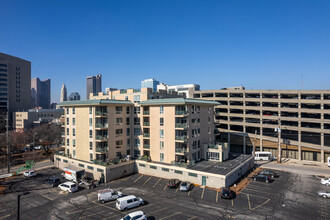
column 99, row 125
column 101, row 138
column 182, row 113
column 63, row 124
column 146, row 112
column 146, row 135
column 63, row 133
column 101, row 114
column 146, row 146
column 181, row 138
column 181, row 125
column 146, row 124
column 102, row 149
column 181, row 150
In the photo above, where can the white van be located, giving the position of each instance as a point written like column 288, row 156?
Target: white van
column 69, row 187
column 105, row 195
column 128, row 202
column 263, row 155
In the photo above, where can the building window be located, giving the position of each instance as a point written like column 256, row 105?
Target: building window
column 100, row 170
column 161, row 121
column 161, row 157
column 142, row 165
column 119, row 109
column 119, row 132
column 178, row 171
column 136, row 142
column 118, row 154
column 90, row 122
column 90, row 110
column 161, row 145
column 74, row 142
column 91, row 157
column 65, row 161
column 128, row 131
column 192, row 174
column 67, row 142
column 161, row 109
column 165, row 169
column 136, row 98
column 127, row 121
column 137, row 110
column 58, row 159
column 136, row 121
column 128, row 142
column 91, row 145
column 90, row 167
column 81, row 165
column 68, row 152
column 137, row 131
column 73, row 110
column 91, row 133
column 67, row 110
column 74, row 153
column 119, row 121
column 127, row 110
column 67, row 131
column 73, row 131
column 153, row 167
column 67, row 121
column 161, row 132
column 73, row 121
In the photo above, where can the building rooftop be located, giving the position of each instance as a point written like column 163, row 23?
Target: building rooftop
column 222, row 168
column 94, row 102
column 181, row 101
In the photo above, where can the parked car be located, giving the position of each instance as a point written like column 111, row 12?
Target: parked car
column 68, row 187
column 173, row 183
column 261, row 178
column 269, row 173
column 138, row 215
column 325, row 181
column 225, row 193
column 106, row 195
column 185, row 186
column 38, row 147
column 128, row 202
column 53, row 181
column 324, row 194
column 29, row 173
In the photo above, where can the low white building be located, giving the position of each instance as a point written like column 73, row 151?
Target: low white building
column 187, row 90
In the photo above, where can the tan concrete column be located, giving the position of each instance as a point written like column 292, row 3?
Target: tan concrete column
column 299, row 144
column 261, row 139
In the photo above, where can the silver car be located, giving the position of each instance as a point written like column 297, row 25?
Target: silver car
column 324, row 194
column 185, row 186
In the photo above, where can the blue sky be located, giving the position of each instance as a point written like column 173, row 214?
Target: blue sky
column 259, row 44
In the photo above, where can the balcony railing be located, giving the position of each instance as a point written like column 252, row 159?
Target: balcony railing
column 146, row 112
column 146, row 146
column 146, row 123
column 181, row 112
column 181, row 125
column 146, row 135
column 102, row 149
column 180, row 150
column 99, row 125
column 100, row 113
column 181, row 138
column 101, row 138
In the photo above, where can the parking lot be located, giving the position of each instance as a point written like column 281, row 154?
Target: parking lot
column 289, row 196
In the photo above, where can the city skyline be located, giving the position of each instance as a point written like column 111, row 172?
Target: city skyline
column 260, row 45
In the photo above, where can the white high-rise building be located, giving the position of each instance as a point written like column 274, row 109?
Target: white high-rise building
column 64, row 95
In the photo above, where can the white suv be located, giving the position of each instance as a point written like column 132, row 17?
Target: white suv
column 30, row 173
column 325, row 181
column 69, row 187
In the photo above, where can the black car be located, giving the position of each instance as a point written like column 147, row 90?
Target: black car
column 225, row 193
column 269, row 173
column 53, row 181
column 261, row 178
column 173, row 183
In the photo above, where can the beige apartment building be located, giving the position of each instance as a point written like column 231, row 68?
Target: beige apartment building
column 303, row 117
column 34, row 117
column 134, row 122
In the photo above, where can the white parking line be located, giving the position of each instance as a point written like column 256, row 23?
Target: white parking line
column 156, row 182
column 147, row 180
column 138, row 179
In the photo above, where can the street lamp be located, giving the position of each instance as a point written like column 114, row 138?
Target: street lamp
column 18, row 202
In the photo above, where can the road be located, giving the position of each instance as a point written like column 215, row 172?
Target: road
column 297, row 169
column 39, row 165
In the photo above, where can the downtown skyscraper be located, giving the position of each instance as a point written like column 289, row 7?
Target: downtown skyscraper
column 40, row 91
column 94, row 85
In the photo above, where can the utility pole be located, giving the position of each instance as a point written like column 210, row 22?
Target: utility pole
column 7, row 134
column 279, row 142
